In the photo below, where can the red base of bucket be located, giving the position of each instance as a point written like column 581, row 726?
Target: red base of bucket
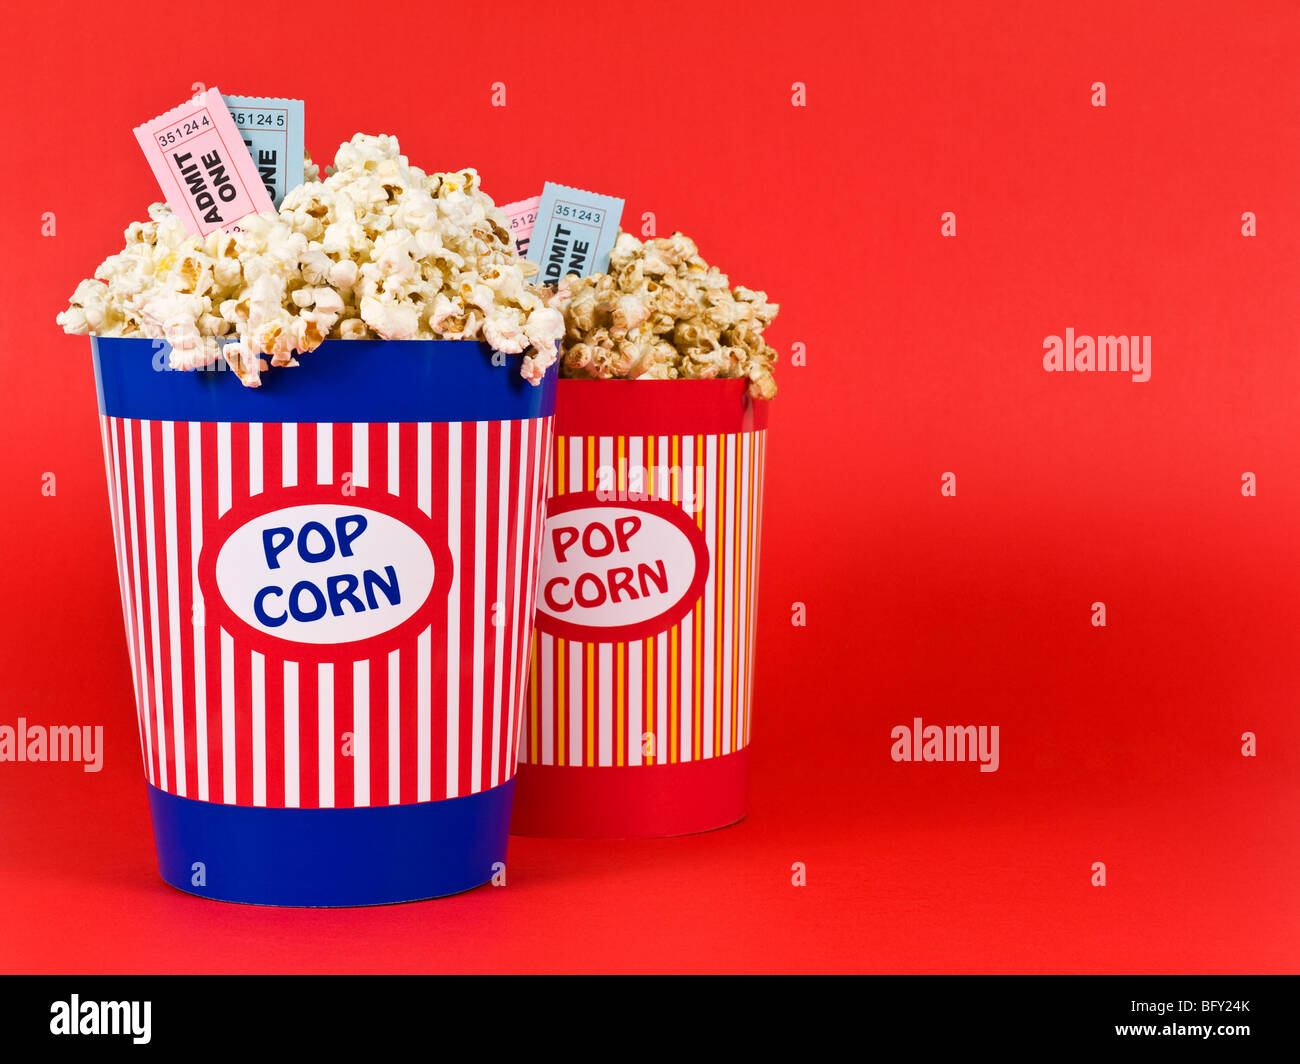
column 638, row 801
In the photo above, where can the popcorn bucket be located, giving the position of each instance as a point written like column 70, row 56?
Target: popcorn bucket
column 327, row 585
column 641, row 681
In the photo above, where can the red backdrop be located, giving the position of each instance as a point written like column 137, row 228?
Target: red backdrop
column 1119, row 744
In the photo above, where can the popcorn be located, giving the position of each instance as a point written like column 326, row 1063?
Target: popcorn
column 376, row 249
column 663, row 313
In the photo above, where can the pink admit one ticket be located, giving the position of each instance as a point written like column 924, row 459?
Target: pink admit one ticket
column 202, row 165
column 523, row 216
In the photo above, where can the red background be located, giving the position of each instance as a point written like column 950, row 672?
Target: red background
column 1119, row 744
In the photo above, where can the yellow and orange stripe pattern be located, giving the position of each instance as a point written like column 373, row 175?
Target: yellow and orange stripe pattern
column 683, row 694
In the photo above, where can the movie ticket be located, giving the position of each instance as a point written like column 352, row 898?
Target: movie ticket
column 198, row 156
column 577, row 232
column 274, row 133
column 523, row 215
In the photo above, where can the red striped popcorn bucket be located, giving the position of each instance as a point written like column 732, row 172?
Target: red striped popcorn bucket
column 327, row 587
column 641, row 681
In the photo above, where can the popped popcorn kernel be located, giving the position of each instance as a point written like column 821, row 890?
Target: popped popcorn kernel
column 663, row 313
column 377, row 249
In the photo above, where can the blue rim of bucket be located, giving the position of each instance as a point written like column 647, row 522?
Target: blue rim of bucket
column 377, row 855
column 340, row 381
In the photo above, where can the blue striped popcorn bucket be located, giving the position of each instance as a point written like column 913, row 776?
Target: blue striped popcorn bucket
column 327, row 589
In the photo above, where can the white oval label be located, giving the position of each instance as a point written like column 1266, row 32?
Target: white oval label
column 319, row 574
column 617, row 571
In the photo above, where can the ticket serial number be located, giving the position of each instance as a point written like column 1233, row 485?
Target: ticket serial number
column 579, row 214
column 181, row 130
column 264, row 119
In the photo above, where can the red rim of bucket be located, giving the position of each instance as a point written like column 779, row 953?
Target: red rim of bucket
column 666, row 408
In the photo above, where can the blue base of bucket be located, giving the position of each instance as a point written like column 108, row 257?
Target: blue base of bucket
column 330, row 857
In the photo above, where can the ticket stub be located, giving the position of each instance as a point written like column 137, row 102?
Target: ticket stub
column 198, row 156
column 523, row 215
column 576, row 232
column 275, row 134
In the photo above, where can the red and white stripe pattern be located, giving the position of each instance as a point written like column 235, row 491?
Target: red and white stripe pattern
column 685, row 693
column 436, row 717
